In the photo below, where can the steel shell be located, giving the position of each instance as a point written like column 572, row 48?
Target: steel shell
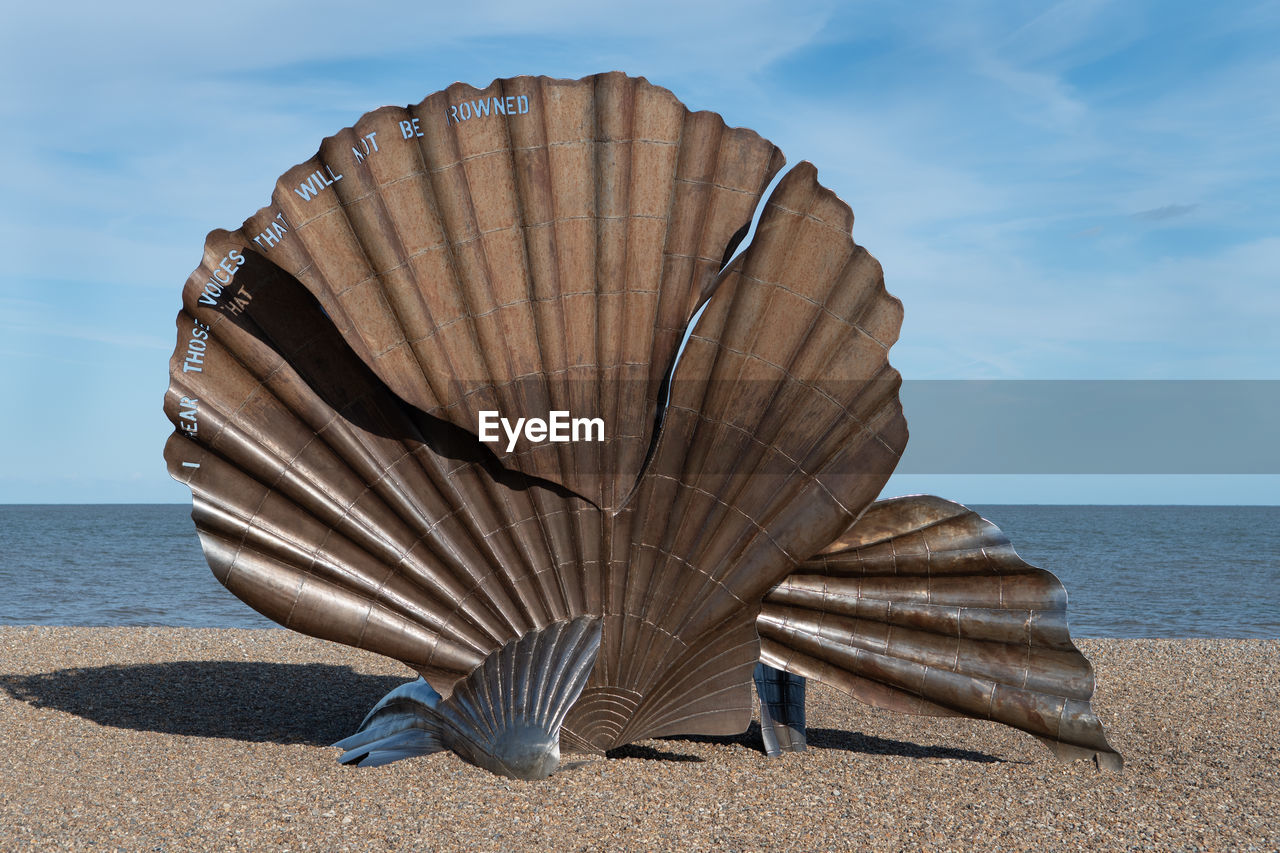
column 334, row 355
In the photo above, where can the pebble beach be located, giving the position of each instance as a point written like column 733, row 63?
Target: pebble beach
column 218, row 739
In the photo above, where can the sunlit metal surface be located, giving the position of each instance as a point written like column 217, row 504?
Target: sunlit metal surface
column 505, row 716
column 923, row 606
column 536, row 250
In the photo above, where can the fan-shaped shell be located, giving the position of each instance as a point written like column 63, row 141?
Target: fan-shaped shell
column 923, row 606
column 543, row 252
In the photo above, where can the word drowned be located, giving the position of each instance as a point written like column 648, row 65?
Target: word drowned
column 511, row 105
column 559, row 428
column 277, row 228
column 316, row 182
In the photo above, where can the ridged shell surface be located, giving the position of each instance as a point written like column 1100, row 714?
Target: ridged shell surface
column 924, row 607
column 542, row 249
column 536, row 245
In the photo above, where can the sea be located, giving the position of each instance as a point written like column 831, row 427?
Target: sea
column 1130, row 571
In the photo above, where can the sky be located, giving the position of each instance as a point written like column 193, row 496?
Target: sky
column 1058, row 191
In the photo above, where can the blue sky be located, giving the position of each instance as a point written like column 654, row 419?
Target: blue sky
column 1079, row 190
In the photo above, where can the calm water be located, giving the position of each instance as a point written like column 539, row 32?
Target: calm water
column 1130, row 571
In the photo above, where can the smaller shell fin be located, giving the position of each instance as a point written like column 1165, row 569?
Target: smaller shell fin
column 505, row 716
column 403, row 724
column 922, row 606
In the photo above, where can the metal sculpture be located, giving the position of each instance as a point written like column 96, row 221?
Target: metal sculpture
column 373, row 374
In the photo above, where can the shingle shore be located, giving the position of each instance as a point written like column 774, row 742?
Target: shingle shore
column 177, row 739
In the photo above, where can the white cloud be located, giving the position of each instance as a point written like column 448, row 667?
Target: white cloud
column 992, row 172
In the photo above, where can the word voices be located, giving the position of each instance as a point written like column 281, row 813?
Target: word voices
column 222, row 275
column 558, row 428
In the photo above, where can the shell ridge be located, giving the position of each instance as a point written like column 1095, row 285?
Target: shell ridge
column 540, row 687
column 585, row 653
column 425, row 187
column 533, row 597
column 555, row 390
column 631, row 388
column 599, row 342
column 317, row 283
column 550, row 699
column 659, row 405
column 485, row 273
column 604, row 389
column 533, row 690
column 685, row 691
column 392, row 298
column 484, row 697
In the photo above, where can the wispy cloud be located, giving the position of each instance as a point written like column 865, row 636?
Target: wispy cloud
column 1087, row 189
column 1169, row 211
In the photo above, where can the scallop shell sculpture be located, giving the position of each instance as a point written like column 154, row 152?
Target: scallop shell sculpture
column 537, row 247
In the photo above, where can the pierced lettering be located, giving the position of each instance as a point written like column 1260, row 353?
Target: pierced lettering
column 196, row 346
column 509, row 105
column 187, row 414
column 316, row 182
column 239, row 302
column 369, row 144
column 222, row 275
column 277, row 228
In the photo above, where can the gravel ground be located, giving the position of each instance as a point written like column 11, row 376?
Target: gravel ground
column 169, row 738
